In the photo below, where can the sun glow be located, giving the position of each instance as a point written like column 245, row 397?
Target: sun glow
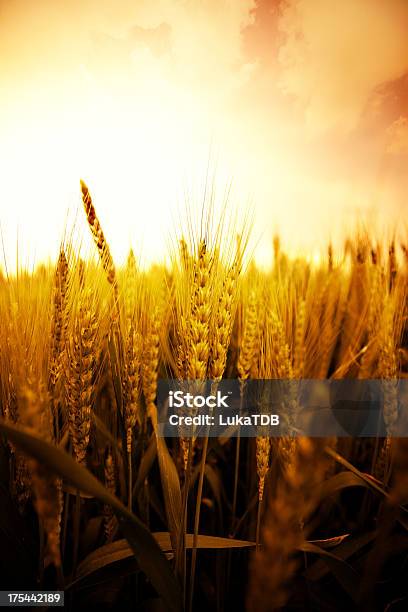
column 138, row 154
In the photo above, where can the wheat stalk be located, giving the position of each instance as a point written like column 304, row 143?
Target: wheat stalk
column 109, row 519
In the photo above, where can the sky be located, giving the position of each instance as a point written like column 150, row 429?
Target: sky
column 296, row 110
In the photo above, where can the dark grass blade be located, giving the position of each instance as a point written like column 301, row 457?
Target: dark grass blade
column 344, row 573
column 170, row 484
column 115, row 552
column 146, row 463
column 345, row 550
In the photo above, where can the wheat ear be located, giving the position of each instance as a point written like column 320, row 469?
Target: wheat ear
column 80, row 376
column 99, row 237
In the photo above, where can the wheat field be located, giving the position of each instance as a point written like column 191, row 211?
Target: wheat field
column 96, row 503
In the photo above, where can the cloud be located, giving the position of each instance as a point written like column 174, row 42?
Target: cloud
column 398, row 137
column 335, row 56
column 157, row 39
